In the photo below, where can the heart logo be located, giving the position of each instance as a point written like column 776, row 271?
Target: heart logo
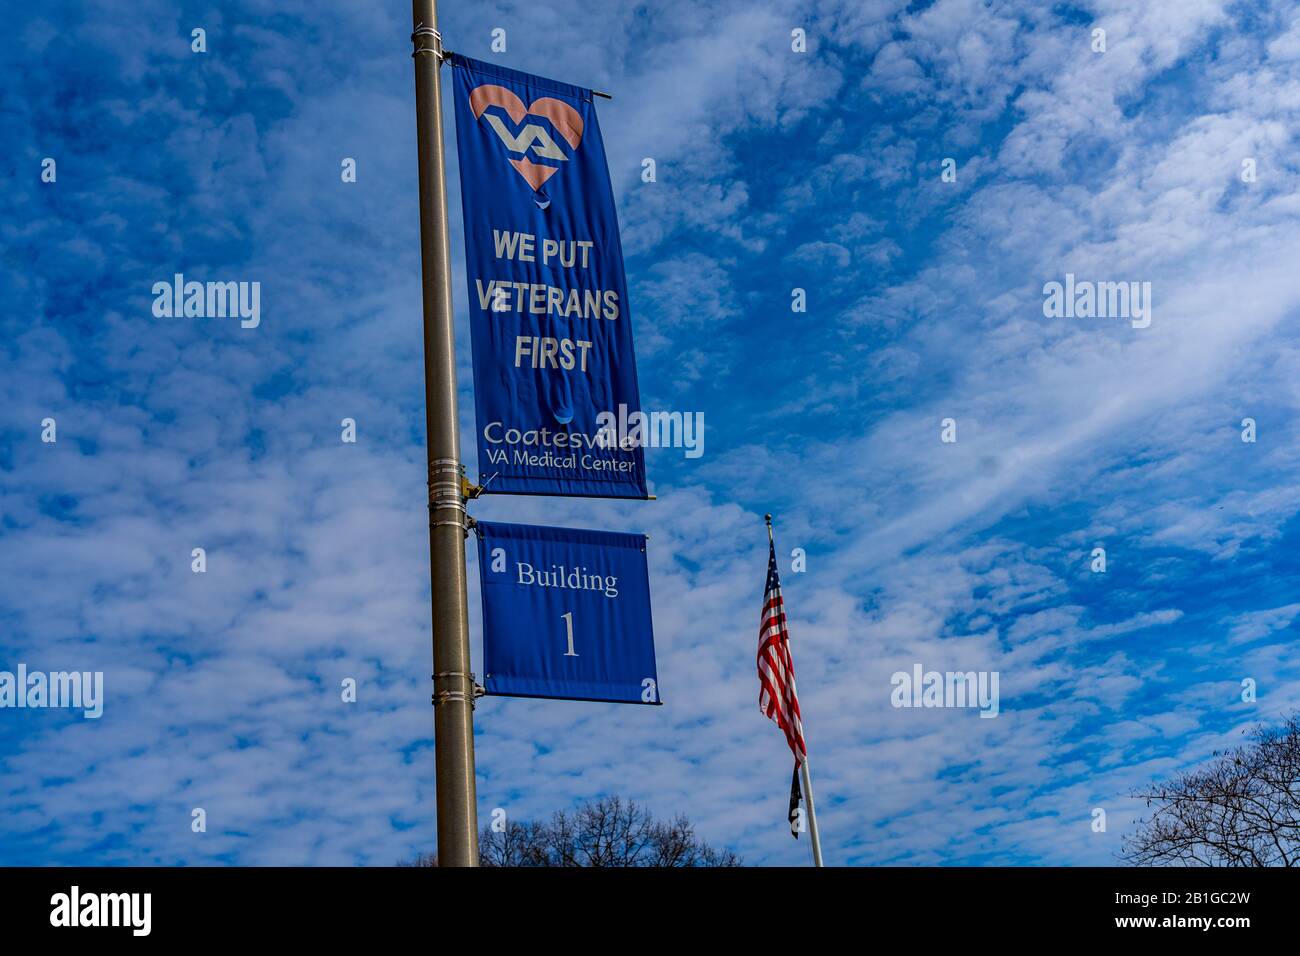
column 531, row 138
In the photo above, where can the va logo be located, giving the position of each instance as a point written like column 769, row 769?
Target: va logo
column 526, row 137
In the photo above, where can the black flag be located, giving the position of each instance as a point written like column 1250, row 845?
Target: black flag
column 796, row 796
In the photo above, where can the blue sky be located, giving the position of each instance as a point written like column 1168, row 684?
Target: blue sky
column 776, row 170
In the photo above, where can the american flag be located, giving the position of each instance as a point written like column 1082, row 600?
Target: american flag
column 776, row 696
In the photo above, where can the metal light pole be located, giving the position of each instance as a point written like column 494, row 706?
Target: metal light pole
column 453, row 697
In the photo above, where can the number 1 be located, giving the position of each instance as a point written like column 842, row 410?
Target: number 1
column 568, row 625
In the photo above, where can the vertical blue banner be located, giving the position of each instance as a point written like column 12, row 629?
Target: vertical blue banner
column 548, row 307
column 566, row 614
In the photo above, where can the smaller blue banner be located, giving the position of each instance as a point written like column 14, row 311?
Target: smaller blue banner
column 566, row 614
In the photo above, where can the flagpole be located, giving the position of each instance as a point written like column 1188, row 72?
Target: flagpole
column 812, row 813
column 453, row 685
column 804, row 773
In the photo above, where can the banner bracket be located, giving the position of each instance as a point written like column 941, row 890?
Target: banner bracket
column 421, row 46
column 447, row 491
column 476, row 690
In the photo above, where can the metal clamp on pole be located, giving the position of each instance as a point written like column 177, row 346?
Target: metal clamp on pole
column 446, row 490
column 463, row 693
column 427, row 40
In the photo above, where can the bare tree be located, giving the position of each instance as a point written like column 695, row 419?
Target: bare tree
column 1241, row 810
column 607, row 832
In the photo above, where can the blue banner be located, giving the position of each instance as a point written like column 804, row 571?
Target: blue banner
column 566, row 614
column 548, row 308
